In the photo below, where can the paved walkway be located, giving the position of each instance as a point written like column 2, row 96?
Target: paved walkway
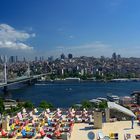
column 81, row 130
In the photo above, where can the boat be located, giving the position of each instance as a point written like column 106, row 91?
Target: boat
column 113, row 98
column 72, row 79
column 102, row 99
column 95, row 101
column 67, row 80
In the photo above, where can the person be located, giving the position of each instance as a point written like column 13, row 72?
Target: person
column 23, row 132
column 57, row 133
column 103, row 118
column 132, row 120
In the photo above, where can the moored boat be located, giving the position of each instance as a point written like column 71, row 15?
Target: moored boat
column 113, row 98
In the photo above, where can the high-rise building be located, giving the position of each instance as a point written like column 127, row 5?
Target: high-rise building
column 50, row 59
column 1, row 59
column 36, row 58
column 24, row 59
column 114, row 56
column 4, row 58
column 70, row 56
column 12, row 59
column 62, row 56
column 16, row 59
column 119, row 56
column 42, row 58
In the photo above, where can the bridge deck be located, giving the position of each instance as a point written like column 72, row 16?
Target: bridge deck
column 21, row 79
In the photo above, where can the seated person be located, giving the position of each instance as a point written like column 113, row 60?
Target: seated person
column 57, row 133
column 42, row 133
column 23, row 132
column 4, row 133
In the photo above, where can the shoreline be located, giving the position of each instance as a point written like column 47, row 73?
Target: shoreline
column 81, row 80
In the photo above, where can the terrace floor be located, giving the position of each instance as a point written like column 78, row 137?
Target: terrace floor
column 81, row 130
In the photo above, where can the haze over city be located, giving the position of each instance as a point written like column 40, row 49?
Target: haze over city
column 82, row 27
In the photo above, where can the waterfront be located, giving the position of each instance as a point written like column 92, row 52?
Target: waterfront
column 65, row 95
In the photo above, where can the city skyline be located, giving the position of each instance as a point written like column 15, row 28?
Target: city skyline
column 83, row 28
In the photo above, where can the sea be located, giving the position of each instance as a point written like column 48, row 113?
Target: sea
column 67, row 94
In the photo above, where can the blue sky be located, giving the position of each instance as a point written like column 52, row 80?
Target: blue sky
column 80, row 27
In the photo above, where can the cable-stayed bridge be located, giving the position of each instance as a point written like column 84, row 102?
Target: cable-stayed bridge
column 27, row 77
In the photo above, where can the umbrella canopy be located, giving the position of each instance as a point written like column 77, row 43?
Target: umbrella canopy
column 113, row 105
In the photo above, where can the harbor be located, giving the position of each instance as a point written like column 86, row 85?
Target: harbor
column 71, row 92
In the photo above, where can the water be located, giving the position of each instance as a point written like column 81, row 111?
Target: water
column 65, row 95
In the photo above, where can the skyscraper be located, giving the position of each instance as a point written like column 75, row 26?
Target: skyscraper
column 36, row 58
column 16, row 59
column 70, row 56
column 12, row 59
column 24, row 59
column 62, row 56
column 114, row 56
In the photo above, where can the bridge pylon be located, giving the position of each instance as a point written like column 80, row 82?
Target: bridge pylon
column 28, row 71
column 5, row 72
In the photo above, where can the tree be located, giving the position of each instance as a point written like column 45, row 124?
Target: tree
column 76, row 106
column 83, row 77
column 45, row 105
column 28, row 104
column 86, row 104
column 103, row 105
column 1, row 106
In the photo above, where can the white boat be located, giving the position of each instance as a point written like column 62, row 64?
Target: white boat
column 102, row 99
column 113, row 98
column 95, row 101
column 72, row 79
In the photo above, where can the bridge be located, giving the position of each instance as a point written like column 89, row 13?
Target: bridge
column 22, row 79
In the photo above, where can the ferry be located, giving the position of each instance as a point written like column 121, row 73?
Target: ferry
column 67, row 80
column 72, row 79
column 113, row 98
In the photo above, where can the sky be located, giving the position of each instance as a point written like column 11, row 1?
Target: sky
column 82, row 27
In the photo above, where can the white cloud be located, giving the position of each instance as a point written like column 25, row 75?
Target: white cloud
column 71, row 36
column 95, row 49
column 98, row 49
column 60, row 29
column 16, row 46
column 95, row 45
column 129, row 51
column 11, row 38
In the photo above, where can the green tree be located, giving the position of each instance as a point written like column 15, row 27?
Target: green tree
column 20, row 105
column 83, row 77
column 28, row 104
column 103, row 105
column 76, row 106
column 45, row 105
column 86, row 104
column 1, row 106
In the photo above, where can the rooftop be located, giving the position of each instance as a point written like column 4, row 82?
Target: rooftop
column 81, row 130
